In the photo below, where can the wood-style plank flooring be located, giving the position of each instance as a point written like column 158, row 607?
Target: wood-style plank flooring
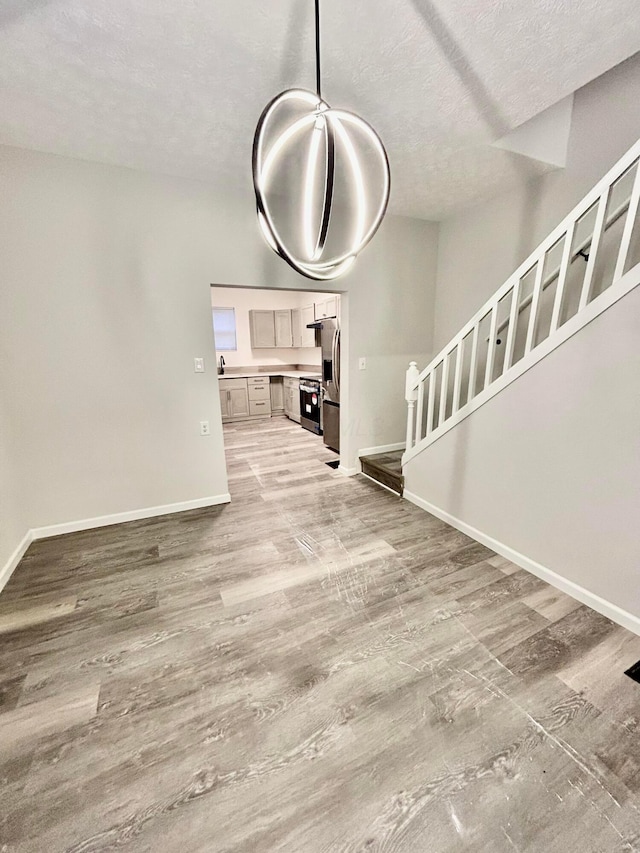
column 319, row 666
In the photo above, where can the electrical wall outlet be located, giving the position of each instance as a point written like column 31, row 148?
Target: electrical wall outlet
column 362, row 363
column 204, row 428
column 198, row 365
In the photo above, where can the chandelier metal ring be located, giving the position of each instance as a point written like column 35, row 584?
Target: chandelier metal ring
column 331, row 131
column 333, row 124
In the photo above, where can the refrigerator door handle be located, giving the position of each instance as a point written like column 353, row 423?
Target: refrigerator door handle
column 336, row 360
column 333, row 358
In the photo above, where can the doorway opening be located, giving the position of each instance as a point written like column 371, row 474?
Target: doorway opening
column 278, row 356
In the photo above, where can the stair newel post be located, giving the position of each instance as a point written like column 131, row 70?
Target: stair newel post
column 411, row 396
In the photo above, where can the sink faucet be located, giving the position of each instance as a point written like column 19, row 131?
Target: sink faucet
column 222, row 363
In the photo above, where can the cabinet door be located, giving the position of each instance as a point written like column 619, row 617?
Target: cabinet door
column 295, row 402
column 331, row 307
column 308, row 335
column 283, row 327
column 238, row 403
column 263, row 331
column 288, row 400
column 224, row 402
column 296, row 327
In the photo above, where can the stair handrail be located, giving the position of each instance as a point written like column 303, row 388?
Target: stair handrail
column 597, row 197
column 549, row 279
column 579, row 210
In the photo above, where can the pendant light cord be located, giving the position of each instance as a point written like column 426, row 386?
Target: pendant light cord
column 318, row 50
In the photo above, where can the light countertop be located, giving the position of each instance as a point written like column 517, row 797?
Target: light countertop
column 292, row 374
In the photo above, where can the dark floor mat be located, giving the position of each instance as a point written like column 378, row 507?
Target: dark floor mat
column 634, row 672
column 333, row 464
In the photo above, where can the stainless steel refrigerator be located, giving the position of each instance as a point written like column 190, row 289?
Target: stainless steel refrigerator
column 329, row 331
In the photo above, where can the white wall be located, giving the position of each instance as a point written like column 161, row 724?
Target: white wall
column 13, row 524
column 481, row 247
column 550, row 466
column 390, row 310
column 244, row 300
column 105, row 301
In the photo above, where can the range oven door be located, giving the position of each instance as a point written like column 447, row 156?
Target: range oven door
column 310, row 406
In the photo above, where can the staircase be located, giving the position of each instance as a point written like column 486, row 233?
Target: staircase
column 577, row 272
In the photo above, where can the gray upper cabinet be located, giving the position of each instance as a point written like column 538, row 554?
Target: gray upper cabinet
column 296, row 327
column 284, row 337
column 329, row 307
column 308, row 336
column 287, row 327
column 263, row 329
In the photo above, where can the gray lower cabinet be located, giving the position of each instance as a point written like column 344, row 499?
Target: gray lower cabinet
column 259, row 396
column 295, row 401
column 292, row 398
column 234, row 399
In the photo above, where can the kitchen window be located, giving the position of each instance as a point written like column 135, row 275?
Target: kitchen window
column 224, row 329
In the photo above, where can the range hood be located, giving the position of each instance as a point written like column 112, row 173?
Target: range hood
column 318, row 323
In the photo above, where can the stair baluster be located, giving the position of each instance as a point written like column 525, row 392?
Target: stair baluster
column 434, row 379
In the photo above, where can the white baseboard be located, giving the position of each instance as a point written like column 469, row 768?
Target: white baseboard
column 10, row 566
column 383, row 448
column 132, row 515
column 101, row 521
column 606, row 608
column 348, row 472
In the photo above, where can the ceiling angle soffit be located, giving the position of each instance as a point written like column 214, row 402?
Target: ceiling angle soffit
column 545, row 137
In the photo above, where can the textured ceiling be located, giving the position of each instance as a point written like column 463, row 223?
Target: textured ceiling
column 177, row 86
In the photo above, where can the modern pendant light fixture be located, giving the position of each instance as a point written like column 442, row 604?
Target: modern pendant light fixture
column 336, row 145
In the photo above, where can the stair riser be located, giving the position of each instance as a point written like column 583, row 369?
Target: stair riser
column 386, row 478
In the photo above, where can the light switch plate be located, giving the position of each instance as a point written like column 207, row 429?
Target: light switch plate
column 198, row 365
column 362, row 363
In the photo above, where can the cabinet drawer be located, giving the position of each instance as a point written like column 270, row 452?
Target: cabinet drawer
column 259, row 392
column 231, row 384
column 258, row 380
column 259, row 407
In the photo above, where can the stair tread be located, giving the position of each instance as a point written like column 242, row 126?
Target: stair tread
column 391, row 462
column 386, row 468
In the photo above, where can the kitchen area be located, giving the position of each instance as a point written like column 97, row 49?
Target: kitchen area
column 278, row 355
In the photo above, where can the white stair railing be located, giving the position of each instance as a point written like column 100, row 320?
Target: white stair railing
column 574, row 274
